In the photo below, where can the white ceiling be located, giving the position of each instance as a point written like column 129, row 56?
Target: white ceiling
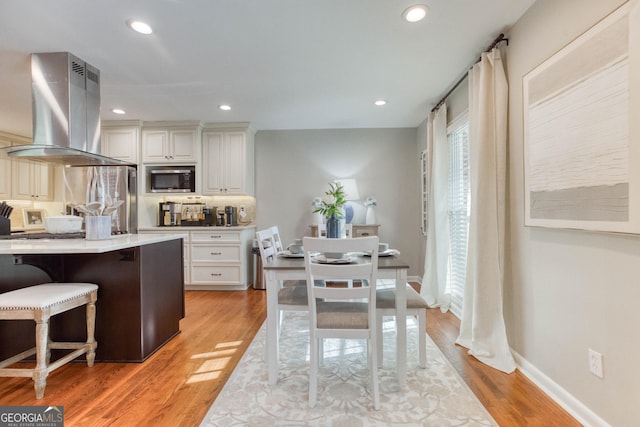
column 280, row 64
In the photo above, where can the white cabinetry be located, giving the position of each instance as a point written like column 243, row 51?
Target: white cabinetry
column 121, row 140
column 32, row 181
column 221, row 259
column 228, row 160
column 171, row 144
column 5, row 173
column 216, row 258
column 24, row 180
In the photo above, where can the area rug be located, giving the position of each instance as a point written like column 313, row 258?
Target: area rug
column 435, row 396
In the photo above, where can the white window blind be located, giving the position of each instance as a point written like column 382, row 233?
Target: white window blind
column 459, row 207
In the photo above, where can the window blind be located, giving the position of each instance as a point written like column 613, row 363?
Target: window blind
column 459, row 208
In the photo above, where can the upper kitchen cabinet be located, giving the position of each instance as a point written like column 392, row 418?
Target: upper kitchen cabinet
column 171, row 143
column 24, row 180
column 32, row 181
column 5, row 173
column 121, row 140
column 228, row 159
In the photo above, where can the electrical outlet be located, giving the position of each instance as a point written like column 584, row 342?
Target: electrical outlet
column 596, row 363
column 243, row 211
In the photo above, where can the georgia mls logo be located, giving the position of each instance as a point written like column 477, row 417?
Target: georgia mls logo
column 55, row 410
column 31, row 416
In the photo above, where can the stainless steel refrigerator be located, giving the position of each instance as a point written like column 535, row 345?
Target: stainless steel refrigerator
column 107, row 185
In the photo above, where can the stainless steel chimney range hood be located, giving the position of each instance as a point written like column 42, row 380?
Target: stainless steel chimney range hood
column 66, row 113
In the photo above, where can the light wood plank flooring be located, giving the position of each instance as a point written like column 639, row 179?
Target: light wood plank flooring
column 176, row 386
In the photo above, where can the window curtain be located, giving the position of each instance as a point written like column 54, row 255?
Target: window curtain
column 434, row 281
column 482, row 328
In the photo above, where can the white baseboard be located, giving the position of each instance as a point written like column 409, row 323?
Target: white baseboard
column 570, row 404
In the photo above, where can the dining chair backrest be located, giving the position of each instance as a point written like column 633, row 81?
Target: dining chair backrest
column 276, row 239
column 266, row 245
column 363, row 268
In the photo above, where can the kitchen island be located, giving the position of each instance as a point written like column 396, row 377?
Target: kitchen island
column 140, row 296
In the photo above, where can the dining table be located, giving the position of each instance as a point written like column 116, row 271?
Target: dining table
column 292, row 268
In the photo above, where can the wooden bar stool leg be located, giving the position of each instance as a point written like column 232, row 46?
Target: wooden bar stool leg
column 91, row 322
column 42, row 349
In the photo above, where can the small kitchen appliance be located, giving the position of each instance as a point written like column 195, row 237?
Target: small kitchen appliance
column 232, row 216
column 179, row 179
column 210, row 214
column 170, row 214
column 220, row 219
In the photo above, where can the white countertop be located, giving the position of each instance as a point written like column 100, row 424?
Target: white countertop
column 179, row 228
column 78, row 246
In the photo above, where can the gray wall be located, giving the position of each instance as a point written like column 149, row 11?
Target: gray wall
column 568, row 291
column 294, row 166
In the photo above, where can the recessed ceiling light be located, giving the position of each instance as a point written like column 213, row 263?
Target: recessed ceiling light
column 225, row 107
column 139, row 26
column 415, row 13
column 118, row 111
column 380, row 102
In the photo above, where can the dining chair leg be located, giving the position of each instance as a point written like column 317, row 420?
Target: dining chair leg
column 313, row 366
column 373, row 363
column 379, row 341
column 422, row 338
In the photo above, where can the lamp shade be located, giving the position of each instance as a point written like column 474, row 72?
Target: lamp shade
column 350, row 188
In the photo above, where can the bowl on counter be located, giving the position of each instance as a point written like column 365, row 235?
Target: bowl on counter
column 61, row 224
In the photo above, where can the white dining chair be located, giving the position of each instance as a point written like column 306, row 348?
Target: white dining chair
column 276, row 238
column 339, row 312
column 416, row 306
column 292, row 295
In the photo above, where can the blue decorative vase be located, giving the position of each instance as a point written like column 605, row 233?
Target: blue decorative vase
column 333, row 227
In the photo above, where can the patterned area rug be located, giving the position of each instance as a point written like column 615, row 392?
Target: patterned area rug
column 435, row 396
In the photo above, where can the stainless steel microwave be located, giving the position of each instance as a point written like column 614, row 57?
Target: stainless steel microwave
column 172, row 180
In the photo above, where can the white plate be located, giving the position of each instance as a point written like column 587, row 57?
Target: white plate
column 287, row 254
column 388, row 252
column 322, row 260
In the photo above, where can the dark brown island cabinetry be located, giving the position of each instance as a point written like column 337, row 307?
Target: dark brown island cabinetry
column 140, row 298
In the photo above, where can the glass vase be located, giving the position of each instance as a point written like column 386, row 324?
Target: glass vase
column 333, row 227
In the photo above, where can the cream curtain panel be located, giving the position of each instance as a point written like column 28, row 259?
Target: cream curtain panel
column 482, row 328
column 434, row 281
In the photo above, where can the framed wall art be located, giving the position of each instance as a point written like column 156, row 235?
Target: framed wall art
column 581, row 148
column 33, row 218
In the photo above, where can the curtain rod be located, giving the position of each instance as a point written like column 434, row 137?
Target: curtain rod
column 498, row 40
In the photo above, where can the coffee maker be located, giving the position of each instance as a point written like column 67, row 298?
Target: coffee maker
column 210, row 215
column 170, row 214
column 232, row 215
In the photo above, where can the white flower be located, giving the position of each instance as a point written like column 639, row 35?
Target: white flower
column 371, row 201
column 329, row 199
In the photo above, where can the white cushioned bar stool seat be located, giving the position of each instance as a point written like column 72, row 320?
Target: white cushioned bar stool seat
column 39, row 303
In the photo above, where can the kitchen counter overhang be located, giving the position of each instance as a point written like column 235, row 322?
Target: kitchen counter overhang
column 20, row 246
column 140, row 291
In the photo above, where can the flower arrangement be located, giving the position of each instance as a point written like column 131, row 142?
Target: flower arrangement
column 331, row 205
column 371, row 201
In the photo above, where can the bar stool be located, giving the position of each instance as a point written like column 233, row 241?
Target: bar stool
column 39, row 303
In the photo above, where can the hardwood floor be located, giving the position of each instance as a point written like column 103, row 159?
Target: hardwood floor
column 176, row 386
